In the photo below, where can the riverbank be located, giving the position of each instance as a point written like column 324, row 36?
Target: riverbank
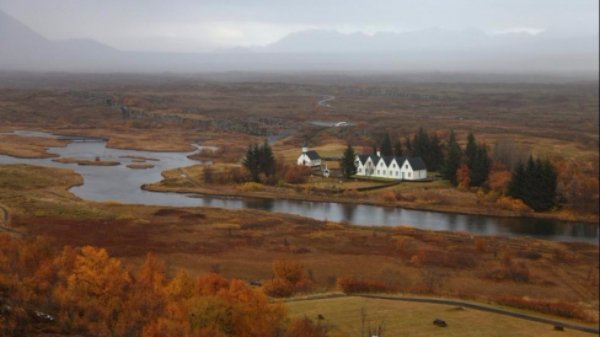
column 86, row 162
column 362, row 198
column 413, row 196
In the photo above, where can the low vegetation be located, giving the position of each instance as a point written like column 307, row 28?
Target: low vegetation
column 243, row 244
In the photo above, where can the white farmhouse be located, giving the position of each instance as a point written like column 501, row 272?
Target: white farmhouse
column 309, row 158
column 390, row 167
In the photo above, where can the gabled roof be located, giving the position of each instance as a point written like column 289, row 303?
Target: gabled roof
column 389, row 159
column 416, row 163
column 364, row 157
column 313, row 155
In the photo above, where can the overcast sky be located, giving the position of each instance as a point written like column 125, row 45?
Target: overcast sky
column 202, row 25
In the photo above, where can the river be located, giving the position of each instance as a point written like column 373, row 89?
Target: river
column 122, row 184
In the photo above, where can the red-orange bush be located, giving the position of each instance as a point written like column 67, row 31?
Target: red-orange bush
column 557, row 308
column 350, row 285
column 296, row 174
column 288, row 278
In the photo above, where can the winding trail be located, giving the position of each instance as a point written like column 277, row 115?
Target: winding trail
column 5, row 221
column 323, row 101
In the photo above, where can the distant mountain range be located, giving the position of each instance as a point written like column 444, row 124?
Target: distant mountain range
column 314, row 50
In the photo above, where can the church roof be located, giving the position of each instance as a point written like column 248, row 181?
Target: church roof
column 313, row 155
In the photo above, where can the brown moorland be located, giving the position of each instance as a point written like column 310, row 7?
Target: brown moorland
column 244, row 243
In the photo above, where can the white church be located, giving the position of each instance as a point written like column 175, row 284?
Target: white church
column 390, row 167
column 309, row 158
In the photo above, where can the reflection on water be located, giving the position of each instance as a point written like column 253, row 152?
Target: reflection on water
column 122, row 184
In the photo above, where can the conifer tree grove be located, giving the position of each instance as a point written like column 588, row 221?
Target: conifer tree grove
column 398, row 149
column 386, row 146
column 477, row 160
column 259, row 159
column 453, row 158
column 535, row 184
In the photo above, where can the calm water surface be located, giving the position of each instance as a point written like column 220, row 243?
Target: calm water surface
column 122, row 184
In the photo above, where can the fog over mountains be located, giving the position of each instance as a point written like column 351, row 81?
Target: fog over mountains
column 427, row 50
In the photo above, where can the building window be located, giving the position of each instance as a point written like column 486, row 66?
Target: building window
column 409, row 174
column 377, row 171
column 359, row 170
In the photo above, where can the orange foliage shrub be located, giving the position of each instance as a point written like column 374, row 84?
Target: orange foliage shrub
column 388, row 196
column 558, row 308
column 463, row 177
column 450, row 259
column 518, row 272
column 289, row 278
column 296, row 174
column 512, row 204
column 498, row 181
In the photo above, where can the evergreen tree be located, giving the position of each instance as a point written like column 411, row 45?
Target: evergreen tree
column 348, row 166
column 548, row 185
column 517, row 182
column 420, row 144
column 480, row 166
column 267, row 160
column 251, row 161
column 398, row 149
column 408, row 145
column 470, row 149
column 386, row 146
column 452, row 162
column 435, row 155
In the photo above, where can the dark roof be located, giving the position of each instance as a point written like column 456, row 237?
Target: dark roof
column 313, row 155
column 388, row 160
column 416, row 163
column 363, row 158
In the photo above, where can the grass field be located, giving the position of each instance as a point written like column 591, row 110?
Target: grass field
column 344, row 315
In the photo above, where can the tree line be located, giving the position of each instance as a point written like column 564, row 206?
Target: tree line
column 533, row 182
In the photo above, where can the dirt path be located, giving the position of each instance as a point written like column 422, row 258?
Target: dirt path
column 5, row 221
column 184, row 173
column 323, row 102
column 482, row 307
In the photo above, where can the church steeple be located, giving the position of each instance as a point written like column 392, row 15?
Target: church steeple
column 304, row 147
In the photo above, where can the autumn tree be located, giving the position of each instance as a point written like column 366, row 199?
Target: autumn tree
column 463, row 176
column 92, row 298
column 288, row 278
